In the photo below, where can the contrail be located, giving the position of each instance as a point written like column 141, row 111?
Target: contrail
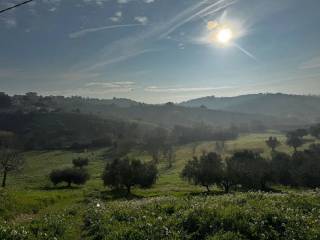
column 245, row 52
column 199, row 13
column 90, row 30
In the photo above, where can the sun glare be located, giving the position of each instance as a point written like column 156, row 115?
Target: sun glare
column 224, row 35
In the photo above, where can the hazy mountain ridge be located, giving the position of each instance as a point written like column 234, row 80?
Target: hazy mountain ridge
column 166, row 115
column 305, row 108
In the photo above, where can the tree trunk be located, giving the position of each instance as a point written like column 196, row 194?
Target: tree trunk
column 208, row 189
column 226, row 187
column 69, row 184
column 4, row 179
column 128, row 190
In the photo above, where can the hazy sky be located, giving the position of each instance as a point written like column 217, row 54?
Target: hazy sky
column 160, row 50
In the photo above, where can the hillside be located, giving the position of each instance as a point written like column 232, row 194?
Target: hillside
column 306, row 108
column 167, row 115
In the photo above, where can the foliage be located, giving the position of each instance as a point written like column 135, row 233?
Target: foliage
column 10, row 160
column 249, row 169
column 315, row 131
column 80, row 162
column 48, row 227
column 294, row 141
column 205, row 171
column 259, row 216
column 273, row 143
column 5, row 101
column 69, row 176
column 127, row 173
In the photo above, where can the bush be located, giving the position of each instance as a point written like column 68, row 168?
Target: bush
column 69, row 176
column 259, row 216
column 80, row 162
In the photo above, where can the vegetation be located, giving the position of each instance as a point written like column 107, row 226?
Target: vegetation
column 142, row 193
column 205, row 171
column 10, row 161
column 242, row 216
column 273, row 143
column 80, row 162
column 69, row 176
column 128, row 173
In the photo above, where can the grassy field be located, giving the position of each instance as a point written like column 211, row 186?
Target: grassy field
column 31, row 199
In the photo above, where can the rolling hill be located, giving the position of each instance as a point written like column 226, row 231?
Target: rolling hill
column 304, row 108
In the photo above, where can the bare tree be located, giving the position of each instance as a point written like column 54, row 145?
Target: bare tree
column 10, row 161
column 273, row 143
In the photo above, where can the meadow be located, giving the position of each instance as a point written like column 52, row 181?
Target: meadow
column 31, row 208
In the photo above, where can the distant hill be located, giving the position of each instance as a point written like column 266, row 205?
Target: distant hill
column 223, row 115
column 304, row 108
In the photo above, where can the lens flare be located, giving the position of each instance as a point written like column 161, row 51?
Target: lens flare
column 224, row 35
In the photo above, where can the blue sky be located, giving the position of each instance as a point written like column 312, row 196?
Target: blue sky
column 159, row 50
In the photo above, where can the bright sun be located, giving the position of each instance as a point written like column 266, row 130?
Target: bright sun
column 224, row 35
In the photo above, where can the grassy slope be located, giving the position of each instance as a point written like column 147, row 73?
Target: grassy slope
column 29, row 198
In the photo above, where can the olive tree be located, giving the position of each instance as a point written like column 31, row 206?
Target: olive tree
column 126, row 173
column 273, row 143
column 205, row 171
column 10, row 161
column 69, row 176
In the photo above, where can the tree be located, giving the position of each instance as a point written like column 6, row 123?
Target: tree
column 205, row 171
column 154, row 143
column 126, row 173
column 299, row 133
column 69, row 176
column 281, row 165
column 273, row 143
column 10, row 161
column 169, row 154
column 5, row 100
column 294, row 141
column 80, row 162
column 249, row 169
column 315, row 131
column 305, row 168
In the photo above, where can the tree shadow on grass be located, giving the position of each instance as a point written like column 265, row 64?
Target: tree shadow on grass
column 46, row 188
column 117, row 194
column 205, row 193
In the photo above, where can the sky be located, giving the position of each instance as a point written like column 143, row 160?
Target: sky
column 157, row 51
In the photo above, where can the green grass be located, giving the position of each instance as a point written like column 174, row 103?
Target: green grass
column 29, row 195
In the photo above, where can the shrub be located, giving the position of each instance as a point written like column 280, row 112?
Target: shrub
column 69, row 175
column 80, row 162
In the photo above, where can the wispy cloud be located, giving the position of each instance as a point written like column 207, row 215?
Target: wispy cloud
column 141, row 42
column 183, row 89
column 141, row 19
column 86, row 31
column 198, row 10
column 125, row 84
column 117, row 59
column 311, row 64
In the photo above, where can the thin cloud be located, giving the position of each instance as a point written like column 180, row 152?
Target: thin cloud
column 311, row 64
column 110, row 84
column 137, row 44
column 141, row 19
column 118, row 59
column 183, row 89
column 193, row 12
column 91, row 30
